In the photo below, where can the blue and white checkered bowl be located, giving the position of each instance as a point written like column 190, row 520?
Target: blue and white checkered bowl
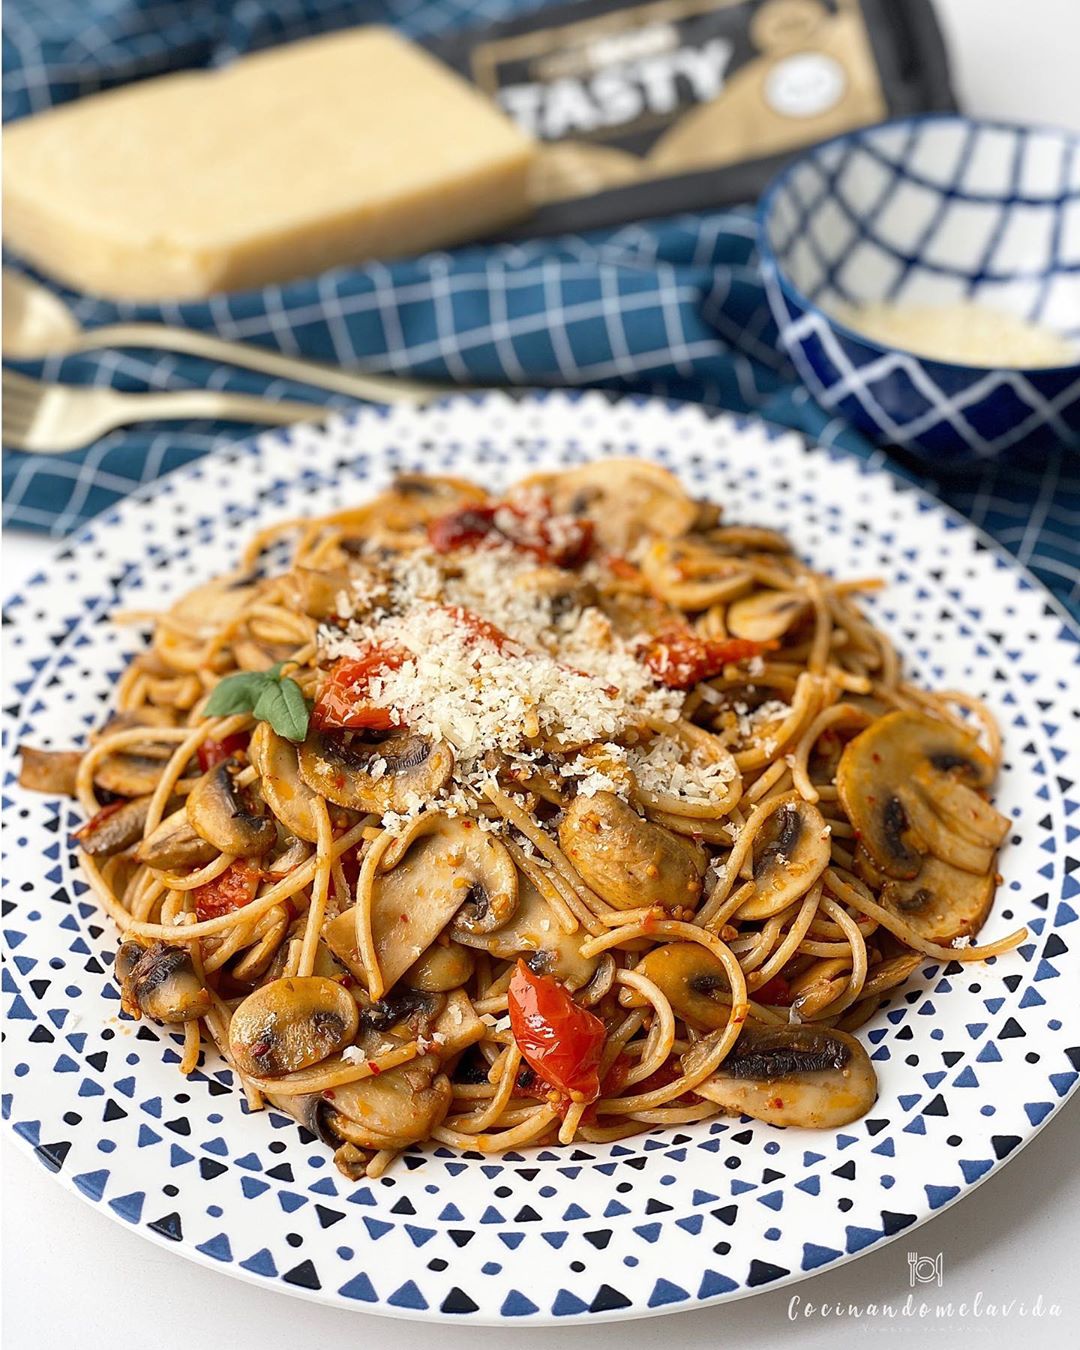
column 930, row 210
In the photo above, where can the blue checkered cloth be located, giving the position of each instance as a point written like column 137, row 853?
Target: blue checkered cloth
column 673, row 307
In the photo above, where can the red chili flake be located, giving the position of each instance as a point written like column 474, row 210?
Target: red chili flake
column 260, row 1048
column 622, row 567
column 328, row 1094
column 374, row 1067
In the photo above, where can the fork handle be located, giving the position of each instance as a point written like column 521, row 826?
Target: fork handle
column 373, row 388
column 182, row 405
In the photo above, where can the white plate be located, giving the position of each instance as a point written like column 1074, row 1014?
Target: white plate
column 972, row 1060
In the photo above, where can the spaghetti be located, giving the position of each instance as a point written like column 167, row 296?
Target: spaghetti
column 517, row 821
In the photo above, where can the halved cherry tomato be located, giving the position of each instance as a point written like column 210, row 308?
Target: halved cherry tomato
column 96, row 819
column 217, row 752
column 342, row 701
column 565, row 541
column 776, row 993
column 680, row 659
column 235, row 888
column 560, row 1041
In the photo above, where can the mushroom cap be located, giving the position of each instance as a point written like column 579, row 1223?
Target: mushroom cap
column 908, row 785
column 810, row 1076
column 161, row 982
column 766, row 614
column 341, row 767
column 218, row 814
column 535, row 934
column 291, row 1024
column 439, row 868
column 692, row 979
column 627, row 860
column 175, row 844
column 791, row 849
column 284, row 791
column 626, row 499
column 941, row 903
column 690, row 575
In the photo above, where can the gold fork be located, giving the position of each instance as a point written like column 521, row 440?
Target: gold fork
column 52, row 418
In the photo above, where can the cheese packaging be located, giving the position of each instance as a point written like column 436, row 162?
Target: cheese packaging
column 644, row 107
column 342, row 148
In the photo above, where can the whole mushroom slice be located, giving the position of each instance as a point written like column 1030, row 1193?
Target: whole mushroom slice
column 766, row 615
column 387, row 1111
column 910, row 786
column 627, row 860
column 535, row 934
column 114, row 828
column 375, row 775
column 53, row 771
column 175, row 844
column 626, row 499
column 161, row 982
column 692, row 576
column 130, row 775
column 810, row 1076
column 440, row 868
column 291, row 1024
column 941, row 903
column 791, row 849
column 284, row 791
column 221, row 815
column 441, row 968
column 691, row 978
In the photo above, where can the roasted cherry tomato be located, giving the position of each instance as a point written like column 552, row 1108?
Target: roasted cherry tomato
column 342, row 701
column 531, row 527
column 211, row 753
column 775, row 993
column 480, row 628
column 680, row 659
column 560, row 1041
column 235, row 888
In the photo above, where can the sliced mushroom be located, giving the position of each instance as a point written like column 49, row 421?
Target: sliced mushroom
column 388, row 1111
column 441, row 968
column 220, row 814
column 284, row 791
column 566, row 592
column 912, row 787
column 114, row 828
column 627, row 860
column 374, row 775
column 251, row 655
column 52, row 771
column 534, row 934
column 889, row 973
column 440, row 868
column 626, row 499
column 692, row 979
column 129, row 775
column 291, row 1024
column 175, row 844
column 766, row 615
column 315, row 592
column 810, row 1076
column 941, row 903
column 791, row 849
column 161, row 982
column 909, row 785
column 692, row 576
column 415, row 1008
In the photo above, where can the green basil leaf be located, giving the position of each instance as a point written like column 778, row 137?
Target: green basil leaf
column 282, row 704
column 294, row 721
column 235, row 693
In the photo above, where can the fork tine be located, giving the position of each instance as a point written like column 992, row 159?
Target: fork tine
column 21, row 399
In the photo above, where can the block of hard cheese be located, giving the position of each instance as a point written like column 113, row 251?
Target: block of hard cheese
column 346, row 147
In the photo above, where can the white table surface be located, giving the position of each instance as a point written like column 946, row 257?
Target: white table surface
column 72, row 1277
